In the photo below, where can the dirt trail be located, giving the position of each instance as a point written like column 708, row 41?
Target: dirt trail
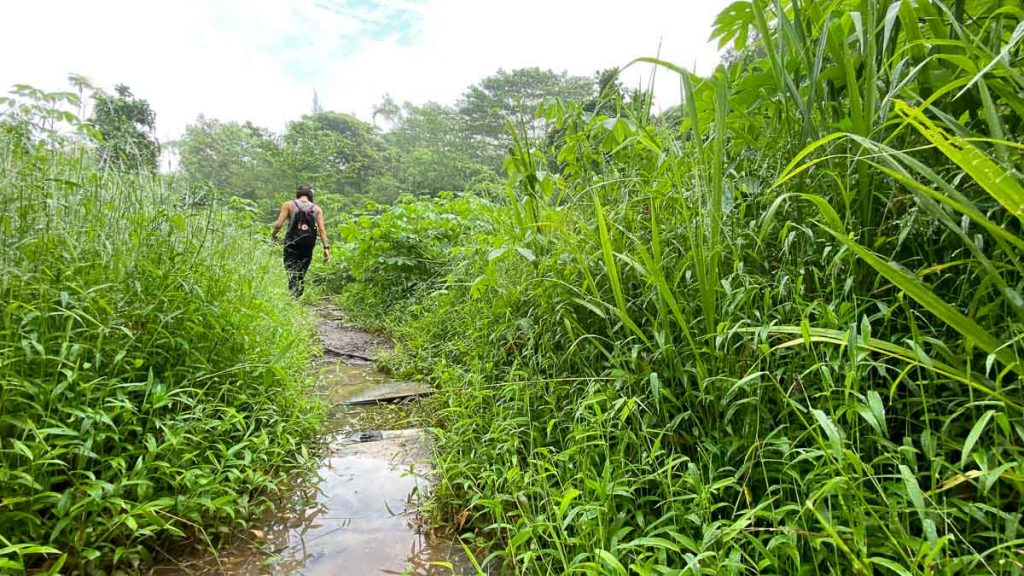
column 349, row 344
column 359, row 516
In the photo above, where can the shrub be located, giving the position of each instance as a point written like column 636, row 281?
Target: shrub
column 152, row 367
column 722, row 341
column 389, row 253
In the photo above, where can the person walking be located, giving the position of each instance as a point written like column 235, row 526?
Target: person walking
column 305, row 223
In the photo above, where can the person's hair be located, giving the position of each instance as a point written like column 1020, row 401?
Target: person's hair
column 304, row 190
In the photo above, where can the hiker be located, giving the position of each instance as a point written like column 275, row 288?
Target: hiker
column 305, row 222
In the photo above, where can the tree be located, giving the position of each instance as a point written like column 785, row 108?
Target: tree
column 511, row 99
column 436, row 153
column 126, row 124
column 337, row 153
column 388, row 109
column 317, row 106
column 81, row 83
column 236, row 159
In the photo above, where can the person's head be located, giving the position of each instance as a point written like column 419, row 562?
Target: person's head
column 304, row 190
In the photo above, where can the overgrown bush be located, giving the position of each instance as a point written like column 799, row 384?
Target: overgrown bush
column 777, row 331
column 152, row 366
column 388, row 253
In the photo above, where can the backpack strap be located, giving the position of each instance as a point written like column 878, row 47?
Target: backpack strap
column 292, row 214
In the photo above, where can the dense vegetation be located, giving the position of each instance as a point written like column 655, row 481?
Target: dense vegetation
column 427, row 149
column 152, row 380
column 152, row 363
column 775, row 331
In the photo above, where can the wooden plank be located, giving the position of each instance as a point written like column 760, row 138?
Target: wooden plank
column 385, row 392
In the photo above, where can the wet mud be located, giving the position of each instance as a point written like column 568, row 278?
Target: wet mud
column 347, row 344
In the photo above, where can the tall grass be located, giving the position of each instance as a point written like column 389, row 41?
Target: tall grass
column 781, row 335
column 151, row 366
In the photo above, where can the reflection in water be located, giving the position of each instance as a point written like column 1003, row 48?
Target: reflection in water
column 358, row 518
column 364, row 385
column 362, row 517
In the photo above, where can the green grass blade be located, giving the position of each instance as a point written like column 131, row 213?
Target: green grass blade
column 972, row 438
column 996, row 180
column 608, row 255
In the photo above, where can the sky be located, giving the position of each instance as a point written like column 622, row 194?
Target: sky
column 261, row 60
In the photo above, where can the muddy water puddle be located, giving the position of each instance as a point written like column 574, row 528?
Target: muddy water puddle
column 367, row 399
column 359, row 516
column 361, row 384
column 339, row 381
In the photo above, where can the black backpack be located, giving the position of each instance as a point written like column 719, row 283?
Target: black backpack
column 303, row 226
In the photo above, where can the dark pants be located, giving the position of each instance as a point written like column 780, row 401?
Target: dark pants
column 297, row 256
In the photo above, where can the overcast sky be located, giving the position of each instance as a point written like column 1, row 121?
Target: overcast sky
column 261, row 60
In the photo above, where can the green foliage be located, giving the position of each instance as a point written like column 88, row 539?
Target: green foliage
column 335, row 153
column 342, row 157
column 776, row 332
column 389, row 253
column 427, row 149
column 33, row 117
column 437, row 153
column 509, row 100
column 235, row 159
column 126, row 124
column 152, row 367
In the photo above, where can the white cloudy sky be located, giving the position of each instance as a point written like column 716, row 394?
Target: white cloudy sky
column 260, row 60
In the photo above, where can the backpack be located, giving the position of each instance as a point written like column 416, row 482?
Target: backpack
column 303, row 225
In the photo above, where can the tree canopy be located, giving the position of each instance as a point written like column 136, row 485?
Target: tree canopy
column 126, row 124
column 415, row 149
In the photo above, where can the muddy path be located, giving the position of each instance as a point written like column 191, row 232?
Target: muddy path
column 359, row 514
column 344, row 344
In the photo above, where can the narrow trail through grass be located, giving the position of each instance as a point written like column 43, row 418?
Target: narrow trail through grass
column 777, row 329
column 359, row 513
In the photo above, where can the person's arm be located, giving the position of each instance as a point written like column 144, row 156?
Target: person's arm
column 281, row 217
column 323, row 234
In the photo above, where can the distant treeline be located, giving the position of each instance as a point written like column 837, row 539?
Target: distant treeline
column 415, row 149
